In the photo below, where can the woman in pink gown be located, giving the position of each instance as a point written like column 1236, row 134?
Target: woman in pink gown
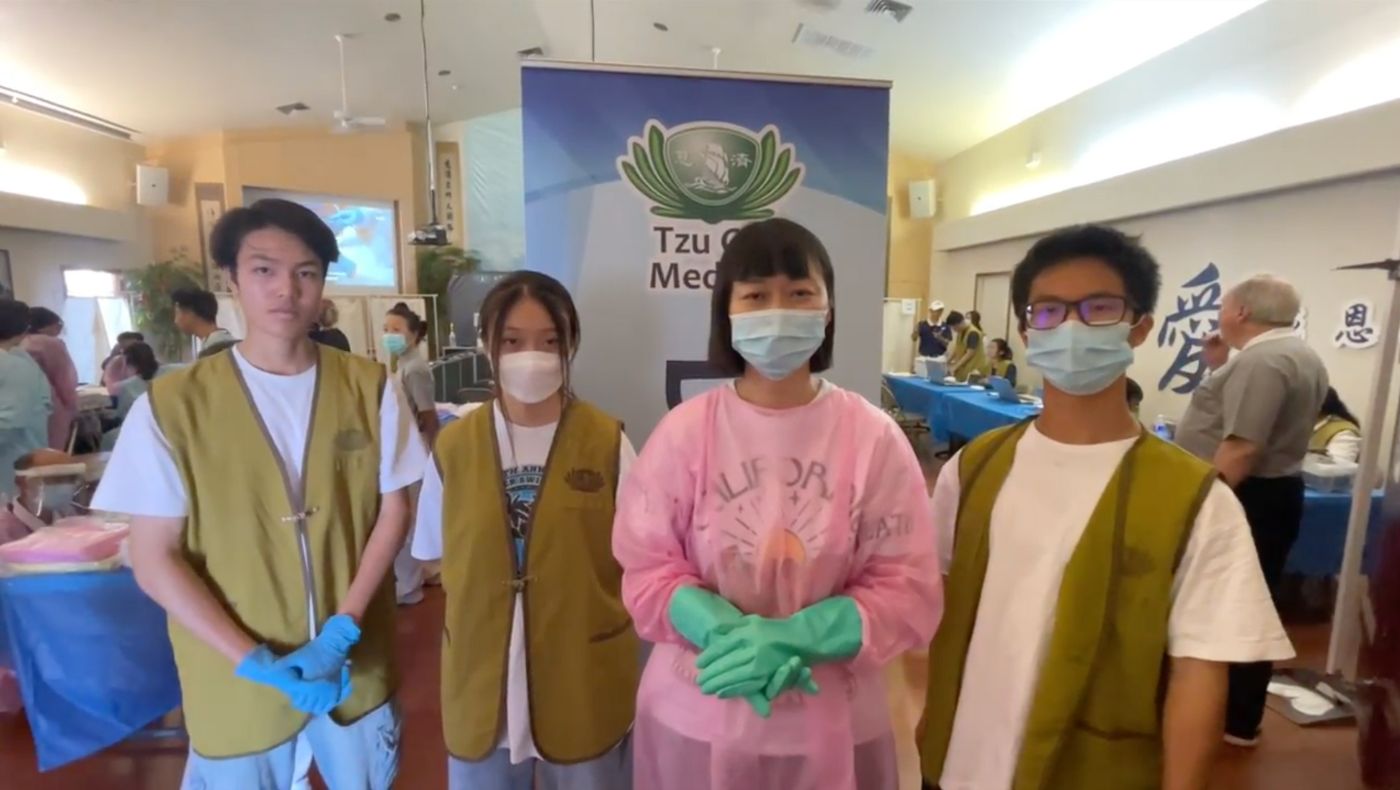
column 777, row 547
column 44, row 345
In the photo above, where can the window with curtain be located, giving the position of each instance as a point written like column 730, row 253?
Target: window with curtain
column 95, row 311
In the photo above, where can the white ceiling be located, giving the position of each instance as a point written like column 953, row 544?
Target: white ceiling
column 963, row 69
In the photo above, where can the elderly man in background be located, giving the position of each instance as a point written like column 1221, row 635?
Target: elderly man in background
column 1253, row 418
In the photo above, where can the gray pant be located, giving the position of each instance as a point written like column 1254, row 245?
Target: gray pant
column 360, row 756
column 612, row 771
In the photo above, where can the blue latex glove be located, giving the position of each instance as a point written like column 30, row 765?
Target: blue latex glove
column 702, row 616
column 316, row 697
column 758, row 647
column 322, row 656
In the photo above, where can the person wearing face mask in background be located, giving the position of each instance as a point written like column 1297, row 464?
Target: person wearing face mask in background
column 402, row 340
column 776, row 547
column 1142, row 560
column 519, row 507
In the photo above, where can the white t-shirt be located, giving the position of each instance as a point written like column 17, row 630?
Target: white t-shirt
column 524, row 472
column 1221, row 609
column 141, row 478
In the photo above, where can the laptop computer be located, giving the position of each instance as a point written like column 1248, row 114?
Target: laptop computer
column 1003, row 389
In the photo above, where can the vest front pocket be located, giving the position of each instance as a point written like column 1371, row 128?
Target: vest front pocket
column 612, row 633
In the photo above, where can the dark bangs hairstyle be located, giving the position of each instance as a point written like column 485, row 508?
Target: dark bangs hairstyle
column 552, row 295
column 233, row 227
column 1124, row 254
column 767, row 249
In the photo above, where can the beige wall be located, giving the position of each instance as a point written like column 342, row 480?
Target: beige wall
column 378, row 165
column 911, row 239
column 1286, row 65
column 190, row 160
column 44, row 237
column 104, row 167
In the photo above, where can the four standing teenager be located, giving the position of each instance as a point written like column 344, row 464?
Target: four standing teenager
column 773, row 542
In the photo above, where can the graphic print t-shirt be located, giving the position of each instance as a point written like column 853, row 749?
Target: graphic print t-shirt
column 522, row 488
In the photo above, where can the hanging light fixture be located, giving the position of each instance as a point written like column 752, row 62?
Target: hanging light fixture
column 433, row 234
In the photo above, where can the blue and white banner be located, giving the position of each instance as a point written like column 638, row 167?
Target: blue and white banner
column 635, row 181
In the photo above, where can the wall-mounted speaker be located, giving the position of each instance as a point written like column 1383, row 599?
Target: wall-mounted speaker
column 923, row 199
column 152, row 185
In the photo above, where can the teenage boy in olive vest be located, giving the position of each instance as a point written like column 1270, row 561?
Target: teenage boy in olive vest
column 267, row 490
column 1100, row 580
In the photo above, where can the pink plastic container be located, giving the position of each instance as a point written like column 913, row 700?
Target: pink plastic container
column 69, row 541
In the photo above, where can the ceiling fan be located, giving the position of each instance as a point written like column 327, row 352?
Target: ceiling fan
column 345, row 122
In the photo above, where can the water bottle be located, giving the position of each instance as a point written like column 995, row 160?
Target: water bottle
column 452, row 337
column 1161, row 428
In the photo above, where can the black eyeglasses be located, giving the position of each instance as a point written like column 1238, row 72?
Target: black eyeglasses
column 1093, row 311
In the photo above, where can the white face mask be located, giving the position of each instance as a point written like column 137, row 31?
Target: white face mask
column 530, row 376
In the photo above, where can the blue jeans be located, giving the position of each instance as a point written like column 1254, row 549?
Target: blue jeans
column 360, row 756
column 612, row 771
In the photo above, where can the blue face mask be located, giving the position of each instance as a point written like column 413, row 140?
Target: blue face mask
column 1080, row 360
column 394, row 344
column 778, row 342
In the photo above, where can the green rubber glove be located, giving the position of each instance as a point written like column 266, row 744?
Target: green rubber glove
column 698, row 613
column 758, row 647
column 702, row 616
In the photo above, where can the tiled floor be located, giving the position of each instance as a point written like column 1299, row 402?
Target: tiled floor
column 1289, row 758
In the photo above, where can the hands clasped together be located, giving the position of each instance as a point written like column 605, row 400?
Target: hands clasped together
column 760, row 658
column 316, row 676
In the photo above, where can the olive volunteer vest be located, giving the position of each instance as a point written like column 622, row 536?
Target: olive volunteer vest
column 977, row 363
column 1330, row 429
column 1095, row 718
column 1000, row 367
column 581, row 652
column 242, row 537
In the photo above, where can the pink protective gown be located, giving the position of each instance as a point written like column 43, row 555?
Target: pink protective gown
column 775, row 511
column 53, row 358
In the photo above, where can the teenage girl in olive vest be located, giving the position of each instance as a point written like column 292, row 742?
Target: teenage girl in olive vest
column 1337, row 433
column 1001, row 364
column 540, row 661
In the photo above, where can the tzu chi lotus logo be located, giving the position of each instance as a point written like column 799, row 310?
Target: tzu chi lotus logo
column 711, row 171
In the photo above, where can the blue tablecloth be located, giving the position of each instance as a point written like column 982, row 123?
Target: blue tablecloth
column 955, row 411
column 1323, row 535
column 93, row 659
column 964, row 413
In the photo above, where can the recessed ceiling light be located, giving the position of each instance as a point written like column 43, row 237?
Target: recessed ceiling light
column 444, row 72
column 392, row 17
column 456, row 87
column 662, row 26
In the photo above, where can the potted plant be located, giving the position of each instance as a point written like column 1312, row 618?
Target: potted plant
column 149, row 289
column 436, row 268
